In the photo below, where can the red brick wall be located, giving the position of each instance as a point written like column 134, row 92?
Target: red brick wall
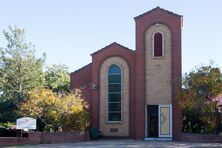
column 81, row 79
column 136, row 62
column 113, row 50
column 142, row 24
column 62, row 137
column 185, row 137
column 12, row 141
column 37, row 138
column 34, row 138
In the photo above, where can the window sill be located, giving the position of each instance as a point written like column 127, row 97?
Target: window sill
column 114, row 122
column 153, row 57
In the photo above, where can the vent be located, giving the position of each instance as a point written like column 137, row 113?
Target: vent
column 93, row 86
column 114, row 130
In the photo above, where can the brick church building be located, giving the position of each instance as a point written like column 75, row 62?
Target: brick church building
column 132, row 93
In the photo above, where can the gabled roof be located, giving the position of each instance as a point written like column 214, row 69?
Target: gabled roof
column 82, row 68
column 155, row 9
column 110, row 45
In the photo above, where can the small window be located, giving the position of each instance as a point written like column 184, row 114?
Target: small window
column 114, row 93
column 158, row 45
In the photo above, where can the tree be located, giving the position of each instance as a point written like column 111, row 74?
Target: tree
column 41, row 104
column 67, row 113
column 57, row 78
column 20, row 70
column 197, row 99
column 73, row 109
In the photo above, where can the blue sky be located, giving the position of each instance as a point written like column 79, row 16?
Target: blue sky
column 68, row 31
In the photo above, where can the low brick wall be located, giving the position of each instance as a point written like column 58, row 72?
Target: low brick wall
column 62, row 137
column 12, row 141
column 185, row 137
column 38, row 137
column 34, row 138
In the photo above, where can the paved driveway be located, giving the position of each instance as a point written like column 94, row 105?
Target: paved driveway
column 125, row 144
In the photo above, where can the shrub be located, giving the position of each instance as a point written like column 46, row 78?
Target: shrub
column 67, row 113
column 7, row 124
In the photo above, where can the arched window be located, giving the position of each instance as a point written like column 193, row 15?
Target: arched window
column 158, row 45
column 114, row 93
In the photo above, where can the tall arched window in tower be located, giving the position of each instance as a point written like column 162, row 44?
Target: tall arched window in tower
column 114, row 93
column 158, row 44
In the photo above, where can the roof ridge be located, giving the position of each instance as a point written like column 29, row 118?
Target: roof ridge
column 170, row 12
column 81, row 68
column 123, row 46
column 113, row 43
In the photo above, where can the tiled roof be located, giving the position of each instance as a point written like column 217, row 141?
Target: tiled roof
column 158, row 8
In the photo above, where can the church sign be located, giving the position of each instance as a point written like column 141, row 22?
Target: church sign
column 26, row 123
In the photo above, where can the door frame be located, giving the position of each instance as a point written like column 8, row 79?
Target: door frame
column 171, row 122
column 159, row 118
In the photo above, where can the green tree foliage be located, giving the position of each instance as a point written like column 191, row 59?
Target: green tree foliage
column 201, row 113
column 20, row 71
column 67, row 113
column 57, row 78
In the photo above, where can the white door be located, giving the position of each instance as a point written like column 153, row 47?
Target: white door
column 165, row 120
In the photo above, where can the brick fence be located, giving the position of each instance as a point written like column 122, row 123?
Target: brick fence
column 62, row 137
column 38, row 137
column 185, row 137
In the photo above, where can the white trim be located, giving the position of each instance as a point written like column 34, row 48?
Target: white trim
column 159, row 139
column 170, row 107
column 163, row 44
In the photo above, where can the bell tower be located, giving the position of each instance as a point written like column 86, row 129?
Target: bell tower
column 158, row 69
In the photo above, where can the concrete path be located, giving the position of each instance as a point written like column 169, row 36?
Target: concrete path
column 125, row 144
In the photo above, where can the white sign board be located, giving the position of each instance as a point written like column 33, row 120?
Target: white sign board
column 26, row 123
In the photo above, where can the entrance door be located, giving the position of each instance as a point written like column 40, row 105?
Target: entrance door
column 159, row 121
column 165, row 120
column 152, row 120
